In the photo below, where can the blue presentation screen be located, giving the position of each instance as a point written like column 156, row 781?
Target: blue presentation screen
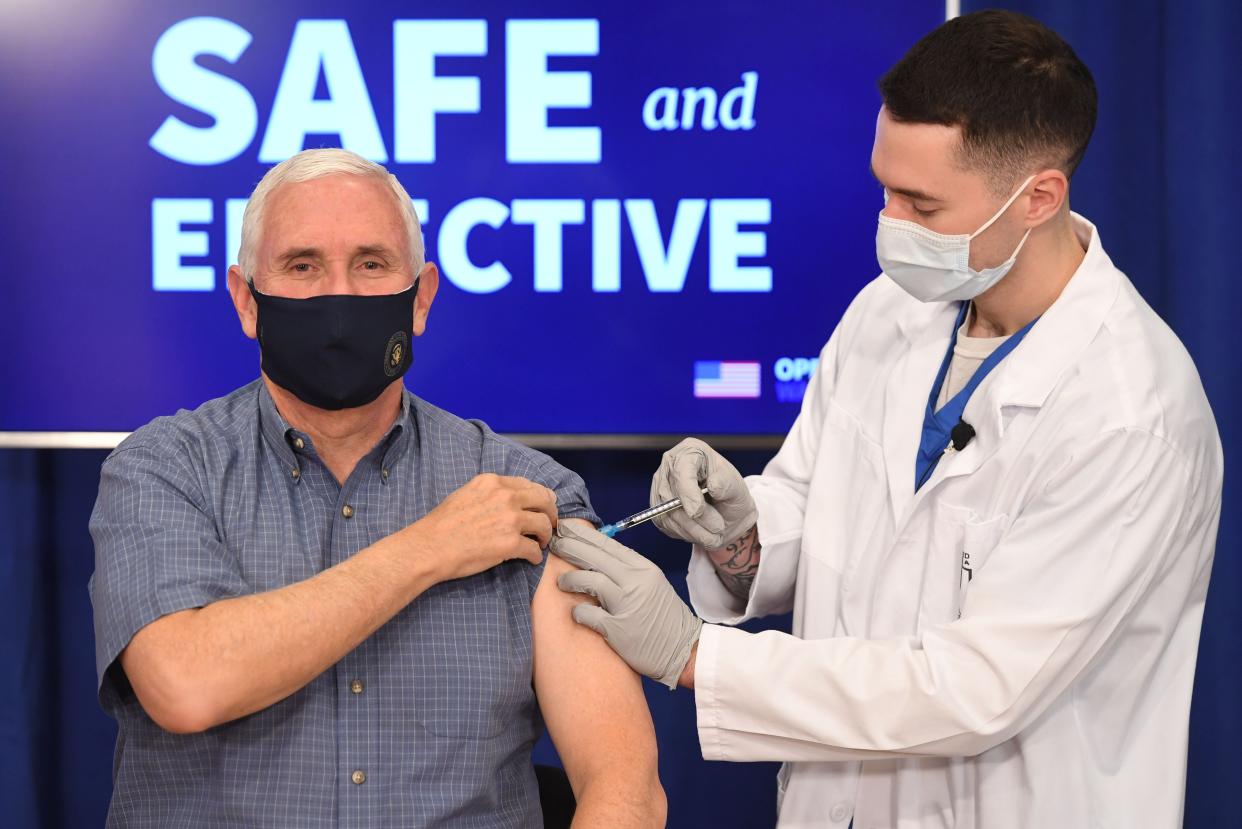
column 648, row 216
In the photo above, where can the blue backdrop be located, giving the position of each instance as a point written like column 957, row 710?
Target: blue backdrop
column 1160, row 181
column 689, row 151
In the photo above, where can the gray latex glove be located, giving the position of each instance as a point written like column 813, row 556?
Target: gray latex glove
column 725, row 515
column 640, row 615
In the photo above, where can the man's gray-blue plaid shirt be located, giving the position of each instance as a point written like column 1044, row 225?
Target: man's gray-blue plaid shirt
column 429, row 722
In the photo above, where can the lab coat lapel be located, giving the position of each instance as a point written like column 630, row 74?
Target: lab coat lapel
column 905, row 399
column 1055, row 344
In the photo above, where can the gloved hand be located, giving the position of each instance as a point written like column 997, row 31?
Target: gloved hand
column 685, row 469
column 639, row 615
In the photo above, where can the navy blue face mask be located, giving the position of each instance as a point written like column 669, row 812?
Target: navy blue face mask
column 338, row 351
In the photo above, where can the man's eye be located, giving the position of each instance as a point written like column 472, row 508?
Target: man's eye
column 924, row 213
column 302, row 267
column 371, row 265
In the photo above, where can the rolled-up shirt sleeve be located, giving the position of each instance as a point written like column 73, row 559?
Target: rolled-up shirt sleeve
column 572, row 498
column 156, row 550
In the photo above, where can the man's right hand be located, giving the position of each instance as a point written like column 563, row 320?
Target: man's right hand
column 490, row 520
column 686, row 469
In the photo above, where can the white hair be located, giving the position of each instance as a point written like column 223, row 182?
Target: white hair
column 313, row 164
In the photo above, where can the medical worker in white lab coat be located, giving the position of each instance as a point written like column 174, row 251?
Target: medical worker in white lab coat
column 994, row 517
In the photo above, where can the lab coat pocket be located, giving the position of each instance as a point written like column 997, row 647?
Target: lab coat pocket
column 979, row 538
column 958, row 546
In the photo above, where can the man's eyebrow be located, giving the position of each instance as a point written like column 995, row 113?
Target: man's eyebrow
column 917, row 195
column 372, row 250
column 298, row 253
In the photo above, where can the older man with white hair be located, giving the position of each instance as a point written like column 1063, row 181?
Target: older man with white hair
column 322, row 601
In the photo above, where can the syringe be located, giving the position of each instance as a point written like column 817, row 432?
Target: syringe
column 611, row 530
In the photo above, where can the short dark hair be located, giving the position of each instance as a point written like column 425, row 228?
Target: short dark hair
column 1017, row 90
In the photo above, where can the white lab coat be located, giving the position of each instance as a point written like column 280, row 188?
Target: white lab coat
column 1048, row 688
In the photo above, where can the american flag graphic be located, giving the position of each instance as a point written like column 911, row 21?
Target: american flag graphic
column 714, row 378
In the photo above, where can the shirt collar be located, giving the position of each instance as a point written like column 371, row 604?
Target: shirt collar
column 404, row 430
column 284, row 439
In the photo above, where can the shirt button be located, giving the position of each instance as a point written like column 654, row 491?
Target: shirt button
column 356, row 686
column 298, row 443
column 839, row 812
column 295, row 473
column 347, row 511
column 384, row 473
column 359, row 777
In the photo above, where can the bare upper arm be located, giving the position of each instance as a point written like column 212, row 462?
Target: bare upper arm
column 592, row 701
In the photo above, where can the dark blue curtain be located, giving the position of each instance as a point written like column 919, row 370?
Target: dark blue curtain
column 1160, row 181
column 55, row 742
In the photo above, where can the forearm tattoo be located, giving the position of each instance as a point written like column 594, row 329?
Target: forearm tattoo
column 737, row 563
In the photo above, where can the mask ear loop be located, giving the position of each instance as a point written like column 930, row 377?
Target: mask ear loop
column 1001, row 212
column 1018, row 249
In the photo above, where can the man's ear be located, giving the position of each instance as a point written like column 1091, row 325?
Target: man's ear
column 428, row 284
column 1049, row 192
column 243, row 302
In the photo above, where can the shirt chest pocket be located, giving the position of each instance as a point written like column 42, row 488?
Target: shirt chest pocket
column 959, row 544
column 472, row 667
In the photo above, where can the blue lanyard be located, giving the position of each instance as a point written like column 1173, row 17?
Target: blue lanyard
column 938, row 425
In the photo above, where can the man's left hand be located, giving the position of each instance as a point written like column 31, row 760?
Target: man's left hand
column 640, row 615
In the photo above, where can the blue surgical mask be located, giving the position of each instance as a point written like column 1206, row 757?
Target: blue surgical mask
column 935, row 267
